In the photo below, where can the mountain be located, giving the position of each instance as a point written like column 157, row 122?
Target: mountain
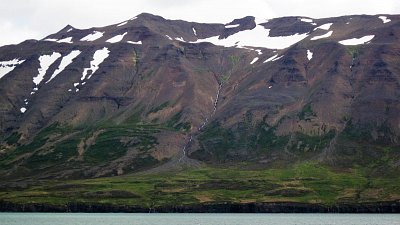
column 150, row 95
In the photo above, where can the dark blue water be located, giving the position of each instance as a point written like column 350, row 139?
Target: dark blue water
column 196, row 219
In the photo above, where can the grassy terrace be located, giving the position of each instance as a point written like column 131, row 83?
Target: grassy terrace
column 306, row 182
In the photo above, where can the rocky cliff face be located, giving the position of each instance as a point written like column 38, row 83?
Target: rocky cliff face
column 151, row 93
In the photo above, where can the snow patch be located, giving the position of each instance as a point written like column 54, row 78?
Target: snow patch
column 257, row 37
column 66, row 60
column 93, row 36
column 117, row 38
column 254, row 60
column 273, row 58
column 306, row 20
column 357, row 41
column 123, row 23
column 232, row 26
column 325, row 26
column 135, row 42
column 98, row 57
column 8, row 66
column 252, row 49
column 50, row 39
column 194, row 31
column 23, row 110
column 45, row 62
column 322, row 36
column 179, row 39
column 309, row 54
column 168, row 37
column 70, row 29
column 65, row 40
column 133, row 18
column 384, row 19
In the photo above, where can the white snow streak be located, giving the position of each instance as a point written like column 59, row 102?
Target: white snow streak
column 64, row 40
column 309, row 54
column 179, row 39
column 384, row 19
column 322, row 36
column 50, row 39
column 194, row 31
column 117, row 38
column 66, row 60
column 70, row 29
column 256, row 50
column 123, row 23
column 98, row 57
column 8, row 66
column 168, row 37
column 257, row 37
column 135, row 42
column 326, row 26
column 254, row 60
column 232, row 26
column 93, row 36
column 273, row 58
column 23, row 110
column 45, row 62
column 357, row 41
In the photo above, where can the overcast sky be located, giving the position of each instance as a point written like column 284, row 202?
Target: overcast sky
column 35, row 19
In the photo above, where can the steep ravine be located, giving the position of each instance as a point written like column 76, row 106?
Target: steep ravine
column 184, row 157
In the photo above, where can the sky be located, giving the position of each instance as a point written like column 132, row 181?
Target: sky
column 34, row 19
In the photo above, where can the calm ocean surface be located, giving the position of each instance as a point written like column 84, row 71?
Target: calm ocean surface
column 196, row 219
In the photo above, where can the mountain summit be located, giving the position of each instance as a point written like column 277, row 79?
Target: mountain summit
column 151, row 95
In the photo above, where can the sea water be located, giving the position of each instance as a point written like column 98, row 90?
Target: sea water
column 195, row 219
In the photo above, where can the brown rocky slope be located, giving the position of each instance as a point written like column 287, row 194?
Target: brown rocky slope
column 268, row 93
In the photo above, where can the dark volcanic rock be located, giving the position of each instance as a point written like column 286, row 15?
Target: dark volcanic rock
column 283, row 207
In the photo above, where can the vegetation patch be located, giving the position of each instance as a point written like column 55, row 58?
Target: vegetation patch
column 160, row 107
column 307, row 182
column 306, row 113
column 307, row 143
column 175, row 123
column 245, row 140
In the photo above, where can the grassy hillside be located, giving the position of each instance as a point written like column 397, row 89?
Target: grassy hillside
column 305, row 183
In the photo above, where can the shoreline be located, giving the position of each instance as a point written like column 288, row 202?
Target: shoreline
column 278, row 207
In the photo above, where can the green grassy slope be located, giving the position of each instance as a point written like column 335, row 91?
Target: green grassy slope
column 305, row 183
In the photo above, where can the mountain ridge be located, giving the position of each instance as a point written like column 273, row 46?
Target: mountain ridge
column 150, row 95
